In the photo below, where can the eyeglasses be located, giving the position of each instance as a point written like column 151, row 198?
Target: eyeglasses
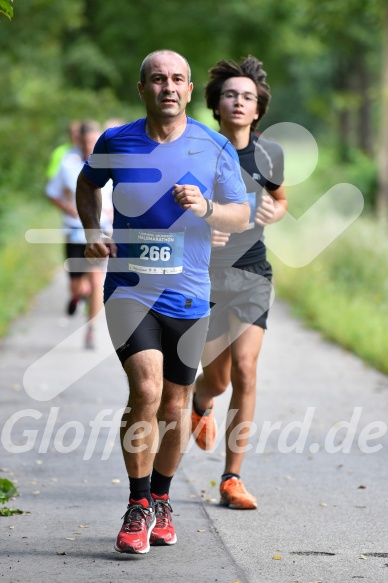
column 232, row 94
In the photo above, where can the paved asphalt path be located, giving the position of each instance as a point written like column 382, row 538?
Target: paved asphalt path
column 322, row 513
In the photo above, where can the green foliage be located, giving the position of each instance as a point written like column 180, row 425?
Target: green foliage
column 7, row 491
column 36, row 100
column 344, row 291
column 360, row 170
column 34, row 264
column 6, row 8
column 75, row 59
column 10, row 511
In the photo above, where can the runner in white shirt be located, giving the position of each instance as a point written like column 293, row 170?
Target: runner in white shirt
column 85, row 281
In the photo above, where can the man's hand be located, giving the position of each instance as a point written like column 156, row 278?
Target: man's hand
column 219, row 239
column 99, row 246
column 265, row 213
column 231, row 217
column 190, row 197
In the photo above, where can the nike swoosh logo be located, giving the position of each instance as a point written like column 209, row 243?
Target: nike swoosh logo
column 192, row 153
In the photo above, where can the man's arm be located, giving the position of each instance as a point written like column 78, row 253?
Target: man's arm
column 65, row 205
column 60, row 195
column 231, row 217
column 272, row 209
column 88, row 199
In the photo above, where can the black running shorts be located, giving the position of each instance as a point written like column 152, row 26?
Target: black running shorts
column 75, row 251
column 133, row 327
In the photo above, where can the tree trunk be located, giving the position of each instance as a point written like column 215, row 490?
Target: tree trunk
column 364, row 126
column 382, row 193
column 343, row 86
column 344, row 135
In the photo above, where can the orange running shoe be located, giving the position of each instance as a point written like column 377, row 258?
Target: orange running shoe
column 204, row 429
column 234, row 495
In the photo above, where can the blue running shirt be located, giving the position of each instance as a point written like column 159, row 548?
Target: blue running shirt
column 163, row 251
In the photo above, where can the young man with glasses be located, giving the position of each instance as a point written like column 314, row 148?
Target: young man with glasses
column 240, row 274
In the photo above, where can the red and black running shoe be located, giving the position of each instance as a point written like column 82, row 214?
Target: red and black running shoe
column 163, row 532
column 139, row 520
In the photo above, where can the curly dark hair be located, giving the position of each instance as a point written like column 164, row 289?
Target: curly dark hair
column 247, row 67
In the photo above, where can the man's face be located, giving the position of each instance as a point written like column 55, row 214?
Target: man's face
column 238, row 102
column 166, row 90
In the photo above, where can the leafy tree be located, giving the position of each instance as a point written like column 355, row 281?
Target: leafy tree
column 67, row 60
column 350, row 34
column 36, row 99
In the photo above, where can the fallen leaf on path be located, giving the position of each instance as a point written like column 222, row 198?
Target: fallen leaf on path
column 363, row 557
column 213, row 483
column 70, row 538
column 116, row 481
column 277, row 557
column 322, row 504
column 201, row 530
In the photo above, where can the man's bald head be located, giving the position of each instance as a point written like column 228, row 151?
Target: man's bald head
column 144, row 65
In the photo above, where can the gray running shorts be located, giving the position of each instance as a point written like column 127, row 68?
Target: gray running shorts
column 244, row 292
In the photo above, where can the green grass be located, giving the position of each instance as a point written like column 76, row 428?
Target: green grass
column 343, row 292
column 24, row 268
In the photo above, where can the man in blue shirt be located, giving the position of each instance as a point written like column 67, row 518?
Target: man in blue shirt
column 174, row 179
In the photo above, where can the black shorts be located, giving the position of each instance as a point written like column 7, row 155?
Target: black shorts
column 75, row 251
column 133, row 327
column 245, row 292
column 76, row 263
